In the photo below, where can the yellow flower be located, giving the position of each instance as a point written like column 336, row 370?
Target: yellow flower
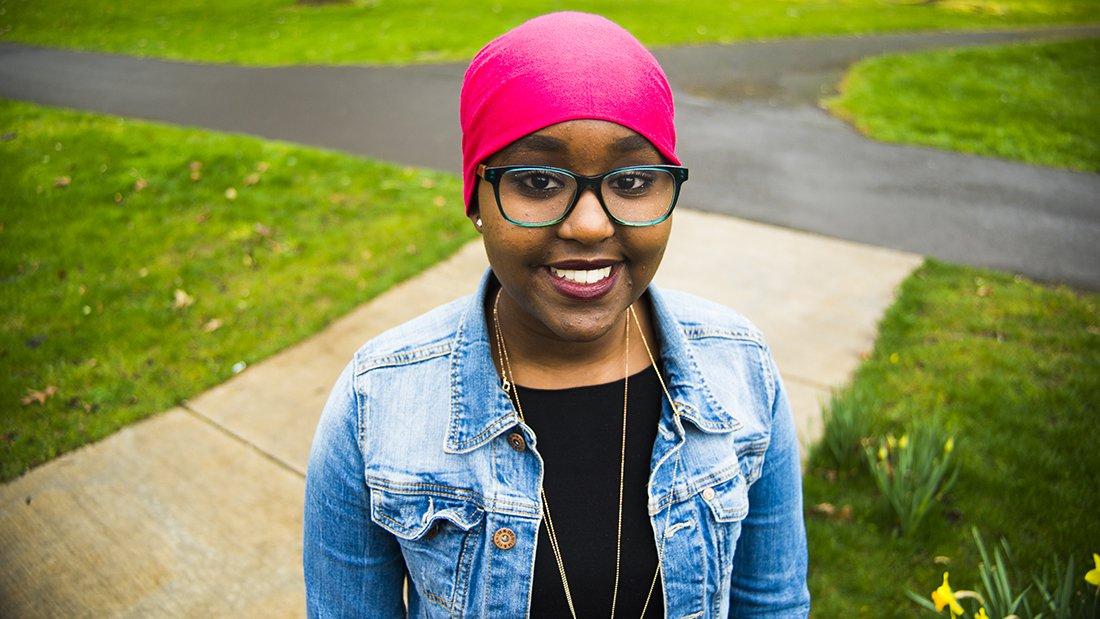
column 882, row 452
column 903, row 442
column 1093, row 575
column 943, row 596
column 949, row 445
column 891, row 442
column 981, row 614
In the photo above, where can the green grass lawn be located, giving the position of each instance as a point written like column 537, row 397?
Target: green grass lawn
column 91, row 265
column 1036, row 102
column 1014, row 369
column 276, row 32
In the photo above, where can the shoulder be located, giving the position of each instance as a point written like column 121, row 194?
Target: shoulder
column 728, row 350
column 429, row 335
column 699, row 318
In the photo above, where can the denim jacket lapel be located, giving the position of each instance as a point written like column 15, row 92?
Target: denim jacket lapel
column 480, row 409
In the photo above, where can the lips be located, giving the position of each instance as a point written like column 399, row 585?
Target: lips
column 584, row 280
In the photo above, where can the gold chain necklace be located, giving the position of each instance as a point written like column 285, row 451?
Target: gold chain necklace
column 508, row 384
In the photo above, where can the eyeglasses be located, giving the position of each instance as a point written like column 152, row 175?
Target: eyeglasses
column 538, row 196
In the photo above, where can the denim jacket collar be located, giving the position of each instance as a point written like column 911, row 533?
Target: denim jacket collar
column 480, row 409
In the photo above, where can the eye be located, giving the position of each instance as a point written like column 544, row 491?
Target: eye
column 632, row 182
column 537, row 182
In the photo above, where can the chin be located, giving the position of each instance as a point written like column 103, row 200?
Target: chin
column 580, row 330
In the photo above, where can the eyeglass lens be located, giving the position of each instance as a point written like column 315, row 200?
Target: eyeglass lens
column 536, row 195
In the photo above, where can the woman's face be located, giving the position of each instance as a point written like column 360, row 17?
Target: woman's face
column 527, row 260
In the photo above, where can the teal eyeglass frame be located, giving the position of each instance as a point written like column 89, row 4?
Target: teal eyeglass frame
column 595, row 183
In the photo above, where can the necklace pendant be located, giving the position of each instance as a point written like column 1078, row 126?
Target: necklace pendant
column 506, row 386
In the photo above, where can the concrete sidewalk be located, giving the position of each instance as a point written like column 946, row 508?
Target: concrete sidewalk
column 197, row 511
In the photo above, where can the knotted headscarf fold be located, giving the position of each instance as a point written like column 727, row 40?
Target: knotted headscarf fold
column 558, row 67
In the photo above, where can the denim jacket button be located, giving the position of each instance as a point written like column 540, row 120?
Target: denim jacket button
column 504, row 538
column 515, row 439
column 708, row 494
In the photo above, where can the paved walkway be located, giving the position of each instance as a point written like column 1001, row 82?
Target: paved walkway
column 757, row 145
column 197, row 511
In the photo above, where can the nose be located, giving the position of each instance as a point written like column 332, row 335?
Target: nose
column 587, row 223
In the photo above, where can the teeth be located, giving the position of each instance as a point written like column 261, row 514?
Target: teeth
column 582, row 277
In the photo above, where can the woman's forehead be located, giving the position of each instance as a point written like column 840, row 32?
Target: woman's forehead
column 584, row 136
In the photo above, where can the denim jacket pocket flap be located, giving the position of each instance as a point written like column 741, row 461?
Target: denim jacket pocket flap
column 729, row 500
column 410, row 516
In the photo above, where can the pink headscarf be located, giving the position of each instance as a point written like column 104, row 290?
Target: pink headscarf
column 558, row 67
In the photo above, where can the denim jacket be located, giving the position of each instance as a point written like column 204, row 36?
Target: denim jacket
column 411, row 472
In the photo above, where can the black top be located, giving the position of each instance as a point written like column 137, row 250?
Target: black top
column 579, row 436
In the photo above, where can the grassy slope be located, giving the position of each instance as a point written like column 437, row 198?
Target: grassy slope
column 273, row 32
column 1015, row 369
column 89, row 284
column 1038, row 103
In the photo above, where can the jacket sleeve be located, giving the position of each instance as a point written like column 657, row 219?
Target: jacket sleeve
column 770, row 562
column 353, row 567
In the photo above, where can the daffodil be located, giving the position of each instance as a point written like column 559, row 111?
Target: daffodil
column 949, row 445
column 1093, row 575
column 882, row 452
column 981, row 614
column 943, row 596
column 891, row 442
column 903, row 442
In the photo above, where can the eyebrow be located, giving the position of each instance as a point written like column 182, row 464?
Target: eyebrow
column 630, row 144
column 545, row 143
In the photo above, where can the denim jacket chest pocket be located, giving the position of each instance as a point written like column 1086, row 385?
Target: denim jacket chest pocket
column 438, row 535
column 700, row 538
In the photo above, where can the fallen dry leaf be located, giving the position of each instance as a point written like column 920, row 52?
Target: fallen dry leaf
column 212, row 325
column 251, row 179
column 439, row 201
column 140, row 184
column 941, row 560
column 231, row 193
column 182, row 299
column 262, row 230
column 830, row 511
column 195, row 166
column 38, row 397
column 262, row 166
column 62, row 181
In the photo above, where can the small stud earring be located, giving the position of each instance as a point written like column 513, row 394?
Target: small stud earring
column 478, row 222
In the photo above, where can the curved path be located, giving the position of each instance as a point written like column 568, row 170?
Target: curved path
column 758, row 147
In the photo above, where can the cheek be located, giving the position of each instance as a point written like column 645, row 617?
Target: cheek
column 647, row 247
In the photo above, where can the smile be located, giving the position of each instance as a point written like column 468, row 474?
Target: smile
column 582, row 277
column 584, row 284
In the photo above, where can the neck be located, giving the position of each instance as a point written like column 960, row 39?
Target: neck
column 540, row 359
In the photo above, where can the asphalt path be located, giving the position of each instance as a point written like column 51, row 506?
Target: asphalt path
column 749, row 128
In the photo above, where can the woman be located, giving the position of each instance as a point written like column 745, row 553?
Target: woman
column 569, row 440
